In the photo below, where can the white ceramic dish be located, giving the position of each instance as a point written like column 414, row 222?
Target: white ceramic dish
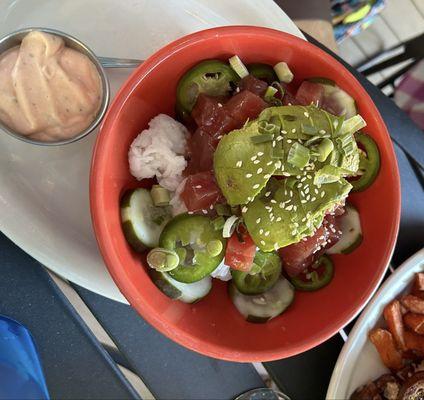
column 44, row 198
column 359, row 361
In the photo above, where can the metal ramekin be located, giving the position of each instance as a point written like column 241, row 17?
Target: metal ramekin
column 15, row 38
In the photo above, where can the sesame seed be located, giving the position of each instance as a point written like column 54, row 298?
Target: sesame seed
column 302, row 193
column 303, row 219
column 303, row 179
column 273, row 201
column 258, row 220
column 260, row 154
column 256, row 186
column 305, row 239
column 249, row 199
column 253, row 158
column 268, row 208
column 267, row 233
column 190, row 212
column 298, row 176
column 281, row 205
column 294, row 130
column 307, row 190
column 267, row 176
column 267, row 194
column 299, row 185
column 276, row 246
column 211, row 207
column 322, row 131
column 271, row 218
column 289, row 208
column 239, row 164
column 259, row 170
column 316, row 191
column 249, row 175
column 286, row 174
column 306, row 114
column 204, row 211
column 274, row 143
column 283, row 131
column 289, row 140
column 262, row 243
column 294, row 208
column 244, row 209
column 309, row 176
column 256, row 162
column 308, row 197
column 279, row 138
column 313, row 198
column 322, row 194
column 303, row 201
column 198, row 186
column 261, row 231
column 294, row 232
column 279, row 219
column 219, row 137
column 219, row 105
column 282, row 167
column 269, row 162
column 295, row 224
column 291, row 193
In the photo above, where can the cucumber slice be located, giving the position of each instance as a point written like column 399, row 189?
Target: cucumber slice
column 185, row 292
column 141, row 221
column 336, row 101
column 350, row 226
column 263, row 307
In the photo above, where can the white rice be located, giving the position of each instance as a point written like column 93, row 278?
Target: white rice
column 159, row 151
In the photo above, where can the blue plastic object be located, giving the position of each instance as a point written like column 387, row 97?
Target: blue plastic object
column 21, row 375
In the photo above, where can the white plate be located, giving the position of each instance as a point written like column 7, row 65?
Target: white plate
column 44, row 190
column 359, row 361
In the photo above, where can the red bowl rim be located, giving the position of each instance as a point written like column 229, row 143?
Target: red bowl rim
column 104, row 241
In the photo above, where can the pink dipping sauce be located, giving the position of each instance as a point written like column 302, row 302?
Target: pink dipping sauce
column 48, row 92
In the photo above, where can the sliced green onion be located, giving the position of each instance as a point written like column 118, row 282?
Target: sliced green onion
column 283, row 72
column 229, row 226
column 214, row 247
column 163, row 260
column 353, row 125
column 218, row 223
column 334, row 158
column 270, row 93
column 347, row 143
column 265, row 137
column 309, row 129
column 324, row 149
column 238, row 66
column 337, row 125
column 267, row 127
column 298, row 155
column 312, row 140
column 277, row 151
column 160, row 196
column 223, row 209
column 327, row 174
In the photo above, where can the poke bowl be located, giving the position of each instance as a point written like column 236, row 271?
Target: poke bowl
column 232, row 153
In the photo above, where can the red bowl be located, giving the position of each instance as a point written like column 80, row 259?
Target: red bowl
column 213, row 326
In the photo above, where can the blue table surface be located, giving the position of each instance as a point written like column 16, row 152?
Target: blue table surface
column 77, row 366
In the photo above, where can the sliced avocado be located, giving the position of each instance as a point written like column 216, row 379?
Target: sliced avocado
column 285, row 216
column 242, row 168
